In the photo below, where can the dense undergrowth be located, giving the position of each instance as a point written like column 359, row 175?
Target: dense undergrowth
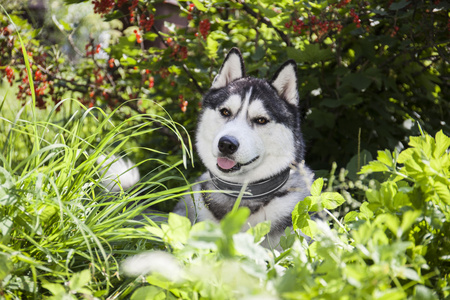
column 61, row 236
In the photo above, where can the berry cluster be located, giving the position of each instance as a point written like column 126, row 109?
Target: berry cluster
column 39, row 77
column 138, row 36
column 180, row 52
column 204, row 28
column 151, row 82
column 319, row 27
column 98, row 77
column 394, row 31
column 332, row 19
column 111, row 63
column 10, row 74
column 103, row 7
column 183, row 103
column 296, row 27
column 342, row 3
column 132, row 8
column 41, row 87
column 190, row 10
column 163, row 73
column 355, row 17
column 146, row 23
column 151, row 79
column 91, row 50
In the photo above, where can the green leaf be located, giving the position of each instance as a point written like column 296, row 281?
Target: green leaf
column 365, row 212
column 300, row 219
column 316, row 187
column 55, row 288
column 405, row 155
column 386, row 158
column 311, row 229
column 179, row 228
column 409, row 218
column 232, row 222
column 150, row 36
column 245, row 245
column 116, row 14
column 260, row 230
column 199, row 5
column 442, row 144
column 288, row 239
column 388, row 191
column 391, row 294
column 399, row 5
column 156, row 231
column 408, row 273
column 359, row 81
column 331, row 200
column 212, row 46
column 6, row 266
column 148, row 293
column 311, row 53
column 79, row 280
column 443, row 192
column 300, row 212
column 351, row 216
column 421, row 292
column 259, row 53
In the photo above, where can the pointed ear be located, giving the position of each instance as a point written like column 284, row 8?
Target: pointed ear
column 285, row 82
column 232, row 69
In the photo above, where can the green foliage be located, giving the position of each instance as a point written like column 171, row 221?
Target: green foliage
column 395, row 247
column 60, row 233
column 368, row 71
column 54, row 218
column 365, row 69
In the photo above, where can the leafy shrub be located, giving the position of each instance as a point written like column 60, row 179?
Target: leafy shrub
column 395, row 247
column 367, row 70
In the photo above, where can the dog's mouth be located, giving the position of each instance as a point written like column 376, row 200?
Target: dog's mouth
column 227, row 165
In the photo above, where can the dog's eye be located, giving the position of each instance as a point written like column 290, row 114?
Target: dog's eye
column 225, row 112
column 261, row 121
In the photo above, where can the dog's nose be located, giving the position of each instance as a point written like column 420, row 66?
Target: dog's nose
column 228, row 144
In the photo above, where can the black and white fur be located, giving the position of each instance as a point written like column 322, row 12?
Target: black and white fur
column 249, row 131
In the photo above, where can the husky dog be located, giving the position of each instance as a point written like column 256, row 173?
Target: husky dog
column 249, row 135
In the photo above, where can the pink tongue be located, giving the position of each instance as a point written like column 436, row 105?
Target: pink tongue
column 225, row 163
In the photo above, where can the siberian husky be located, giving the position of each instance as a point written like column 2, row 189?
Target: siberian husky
column 248, row 135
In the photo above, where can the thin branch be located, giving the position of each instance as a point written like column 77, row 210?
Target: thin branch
column 84, row 88
column 265, row 20
column 185, row 68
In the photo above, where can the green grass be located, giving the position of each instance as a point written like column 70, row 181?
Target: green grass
column 61, row 233
column 55, row 218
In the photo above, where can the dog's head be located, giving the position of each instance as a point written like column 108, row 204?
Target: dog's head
column 249, row 129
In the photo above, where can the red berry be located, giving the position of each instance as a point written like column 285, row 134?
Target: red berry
column 204, row 28
column 103, row 6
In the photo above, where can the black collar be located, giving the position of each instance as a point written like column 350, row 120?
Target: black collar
column 259, row 189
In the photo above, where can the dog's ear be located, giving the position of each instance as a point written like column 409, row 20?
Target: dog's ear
column 232, row 69
column 285, row 82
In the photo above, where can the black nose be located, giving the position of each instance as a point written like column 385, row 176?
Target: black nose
column 228, row 145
